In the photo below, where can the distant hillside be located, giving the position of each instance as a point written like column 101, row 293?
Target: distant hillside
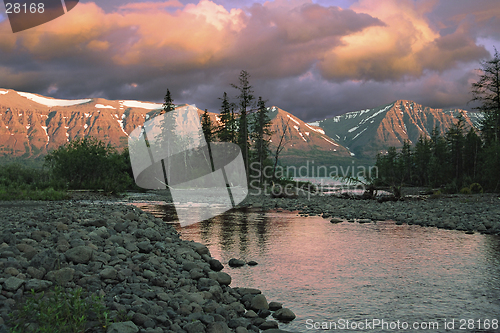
column 368, row 132
column 32, row 125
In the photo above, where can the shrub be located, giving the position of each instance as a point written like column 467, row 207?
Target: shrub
column 436, row 194
column 476, row 188
column 465, row 190
column 59, row 311
column 87, row 163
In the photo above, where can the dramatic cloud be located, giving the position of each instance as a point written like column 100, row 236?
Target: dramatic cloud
column 308, row 57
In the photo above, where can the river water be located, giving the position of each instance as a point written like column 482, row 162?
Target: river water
column 365, row 277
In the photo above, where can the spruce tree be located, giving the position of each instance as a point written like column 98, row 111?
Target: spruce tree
column 472, row 152
column 168, row 105
column 227, row 129
column 245, row 103
column 487, row 92
column 206, row 126
column 261, row 132
column 455, row 138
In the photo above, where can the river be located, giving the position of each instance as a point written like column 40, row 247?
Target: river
column 373, row 277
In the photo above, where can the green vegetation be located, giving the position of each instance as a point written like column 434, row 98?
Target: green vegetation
column 84, row 163
column 249, row 128
column 19, row 182
column 87, row 163
column 451, row 162
column 60, row 312
column 457, row 160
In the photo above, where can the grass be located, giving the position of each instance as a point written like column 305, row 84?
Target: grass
column 60, row 312
column 15, row 193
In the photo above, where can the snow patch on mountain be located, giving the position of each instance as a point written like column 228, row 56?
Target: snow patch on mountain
column 319, row 130
column 359, row 133
column 101, row 106
column 120, row 121
column 141, row 105
column 47, row 134
column 295, row 121
column 376, row 113
column 3, row 92
column 51, row 101
column 329, row 141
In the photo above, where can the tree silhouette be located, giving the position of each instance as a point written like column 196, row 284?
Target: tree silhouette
column 246, row 99
column 487, row 92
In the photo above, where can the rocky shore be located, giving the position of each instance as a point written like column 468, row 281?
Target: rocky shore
column 154, row 281
column 145, row 273
column 468, row 213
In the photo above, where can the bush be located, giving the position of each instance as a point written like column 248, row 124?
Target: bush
column 59, row 311
column 12, row 193
column 87, row 163
column 476, row 188
column 465, row 190
column 436, row 194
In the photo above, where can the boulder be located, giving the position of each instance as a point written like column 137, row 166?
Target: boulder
column 284, row 314
column 259, row 302
column 215, row 265
column 79, row 254
column 273, row 306
column 61, row 276
column 223, row 278
column 236, row 262
column 124, row 327
column 45, row 259
column 13, row 283
column 37, row 285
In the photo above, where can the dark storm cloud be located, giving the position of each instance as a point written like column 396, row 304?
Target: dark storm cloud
column 311, row 59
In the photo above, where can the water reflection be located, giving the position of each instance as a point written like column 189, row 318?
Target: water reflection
column 327, row 272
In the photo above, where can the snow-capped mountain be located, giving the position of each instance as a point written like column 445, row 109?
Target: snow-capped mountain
column 300, row 137
column 368, row 132
column 32, row 125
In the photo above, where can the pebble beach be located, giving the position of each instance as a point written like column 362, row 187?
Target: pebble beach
column 160, row 283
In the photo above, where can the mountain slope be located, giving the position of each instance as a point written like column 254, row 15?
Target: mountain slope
column 371, row 131
column 32, row 125
column 300, row 137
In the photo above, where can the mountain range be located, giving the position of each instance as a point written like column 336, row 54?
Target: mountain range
column 31, row 125
column 369, row 132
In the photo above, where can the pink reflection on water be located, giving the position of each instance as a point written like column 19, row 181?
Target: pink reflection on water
column 324, row 271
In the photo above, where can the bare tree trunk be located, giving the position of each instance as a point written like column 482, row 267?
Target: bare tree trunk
column 279, row 148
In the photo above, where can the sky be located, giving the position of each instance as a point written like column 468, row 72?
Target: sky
column 312, row 58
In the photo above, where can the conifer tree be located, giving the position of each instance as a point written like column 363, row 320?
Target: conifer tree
column 455, row 138
column 227, row 129
column 245, row 103
column 261, row 132
column 168, row 105
column 487, row 92
column 206, row 126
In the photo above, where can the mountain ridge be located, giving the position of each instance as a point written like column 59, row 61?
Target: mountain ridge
column 31, row 125
column 371, row 131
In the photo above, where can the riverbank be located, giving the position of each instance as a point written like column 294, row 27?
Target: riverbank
column 464, row 212
column 468, row 213
column 150, row 279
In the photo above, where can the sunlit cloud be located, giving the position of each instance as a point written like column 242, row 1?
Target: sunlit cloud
column 138, row 49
